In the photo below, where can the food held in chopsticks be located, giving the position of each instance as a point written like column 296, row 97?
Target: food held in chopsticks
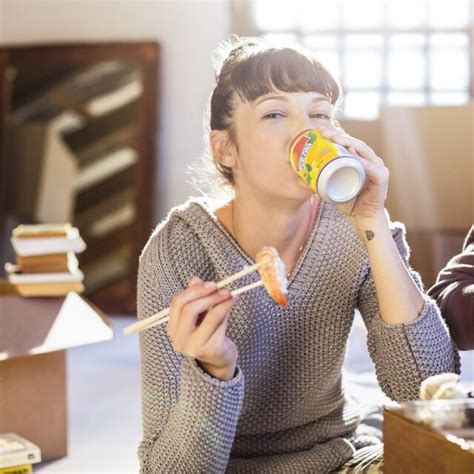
column 273, row 278
column 273, row 274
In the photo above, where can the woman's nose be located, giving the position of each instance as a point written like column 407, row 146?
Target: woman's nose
column 302, row 122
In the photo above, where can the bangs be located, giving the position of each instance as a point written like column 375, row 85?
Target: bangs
column 286, row 70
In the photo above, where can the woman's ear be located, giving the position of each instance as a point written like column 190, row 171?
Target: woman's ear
column 223, row 150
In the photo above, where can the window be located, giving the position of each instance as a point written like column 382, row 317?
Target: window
column 383, row 52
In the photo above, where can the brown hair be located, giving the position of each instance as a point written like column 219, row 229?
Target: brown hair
column 251, row 67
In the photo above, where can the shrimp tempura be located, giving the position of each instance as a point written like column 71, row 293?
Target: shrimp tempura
column 273, row 274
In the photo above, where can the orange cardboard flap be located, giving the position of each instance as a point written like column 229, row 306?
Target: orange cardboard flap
column 39, row 325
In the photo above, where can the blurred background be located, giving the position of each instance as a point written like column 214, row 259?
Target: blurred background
column 126, row 86
column 101, row 113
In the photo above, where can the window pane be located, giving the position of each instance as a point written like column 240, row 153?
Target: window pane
column 362, row 69
column 449, row 98
column 448, row 14
column 281, row 38
column 325, row 47
column 318, row 42
column 449, row 68
column 401, row 15
column 363, row 61
column 274, row 15
column 449, row 40
column 330, row 59
column 363, row 41
column 406, row 67
column 449, row 61
column 319, row 15
column 362, row 105
column 407, row 40
column 406, row 98
column 362, row 14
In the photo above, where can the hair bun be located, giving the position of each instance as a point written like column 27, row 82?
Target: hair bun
column 230, row 49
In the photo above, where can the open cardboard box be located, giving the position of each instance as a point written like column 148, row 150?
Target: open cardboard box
column 34, row 336
column 410, row 446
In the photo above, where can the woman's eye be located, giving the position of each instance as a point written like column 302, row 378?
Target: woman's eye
column 321, row 116
column 273, row 115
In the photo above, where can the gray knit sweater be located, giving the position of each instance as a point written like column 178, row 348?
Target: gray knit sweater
column 285, row 411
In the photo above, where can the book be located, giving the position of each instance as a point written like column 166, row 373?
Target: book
column 15, row 277
column 41, row 230
column 44, row 98
column 103, row 131
column 59, row 170
column 23, row 469
column 27, row 143
column 47, row 263
column 44, row 284
column 113, row 184
column 37, row 240
column 117, row 98
column 43, row 168
column 116, row 220
column 87, row 218
column 16, row 451
column 32, row 290
column 108, row 165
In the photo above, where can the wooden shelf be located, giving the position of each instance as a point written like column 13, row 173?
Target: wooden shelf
column 99, row 103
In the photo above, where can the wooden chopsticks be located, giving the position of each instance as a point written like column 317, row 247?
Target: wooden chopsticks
column 163, row 315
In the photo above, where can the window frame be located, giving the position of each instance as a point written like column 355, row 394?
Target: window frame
column 243, row 24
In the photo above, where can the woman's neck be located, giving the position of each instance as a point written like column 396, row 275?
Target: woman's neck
column 287, row 228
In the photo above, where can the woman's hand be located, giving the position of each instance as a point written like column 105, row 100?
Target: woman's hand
column 197, row 326
column 371, row 200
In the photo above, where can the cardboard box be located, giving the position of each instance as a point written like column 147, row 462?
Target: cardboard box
column 34, row 336
column 413, row 448
column 429, row 151
column 431, row 251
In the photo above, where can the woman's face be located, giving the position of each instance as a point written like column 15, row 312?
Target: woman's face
column 264, row 130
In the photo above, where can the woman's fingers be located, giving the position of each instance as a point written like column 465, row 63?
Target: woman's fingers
column 184, row 297
column 194, row 281
column 212, row 323
column 186, row 323
column 217, row 338
column 354, row 145
column 377, row 174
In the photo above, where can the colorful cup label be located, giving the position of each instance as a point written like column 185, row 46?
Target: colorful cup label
column 310, row 152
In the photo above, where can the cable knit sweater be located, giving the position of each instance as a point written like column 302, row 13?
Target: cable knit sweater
column 285, row 410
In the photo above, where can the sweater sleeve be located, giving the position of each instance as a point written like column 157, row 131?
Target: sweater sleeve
column 405, row 354
column 189, row 417
column 454, row 293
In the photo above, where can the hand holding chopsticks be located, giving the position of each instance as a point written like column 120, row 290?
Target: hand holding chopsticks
column 272, row 272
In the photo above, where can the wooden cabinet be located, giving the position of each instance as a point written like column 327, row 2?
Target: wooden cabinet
column 78, row 131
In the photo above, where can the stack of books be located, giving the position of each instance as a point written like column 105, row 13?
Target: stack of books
column 46, row 264
column 17, row 454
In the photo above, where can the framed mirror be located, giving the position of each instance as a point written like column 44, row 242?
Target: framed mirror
column 78, row 131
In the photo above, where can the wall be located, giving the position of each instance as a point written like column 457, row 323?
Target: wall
column 429, row 151
column 188, row 32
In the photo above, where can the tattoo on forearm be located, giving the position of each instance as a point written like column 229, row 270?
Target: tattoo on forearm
column 369, row 234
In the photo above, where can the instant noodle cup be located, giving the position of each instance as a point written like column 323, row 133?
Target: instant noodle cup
column 328, row 168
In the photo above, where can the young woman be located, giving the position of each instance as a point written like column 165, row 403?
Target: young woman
column 246, row 385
